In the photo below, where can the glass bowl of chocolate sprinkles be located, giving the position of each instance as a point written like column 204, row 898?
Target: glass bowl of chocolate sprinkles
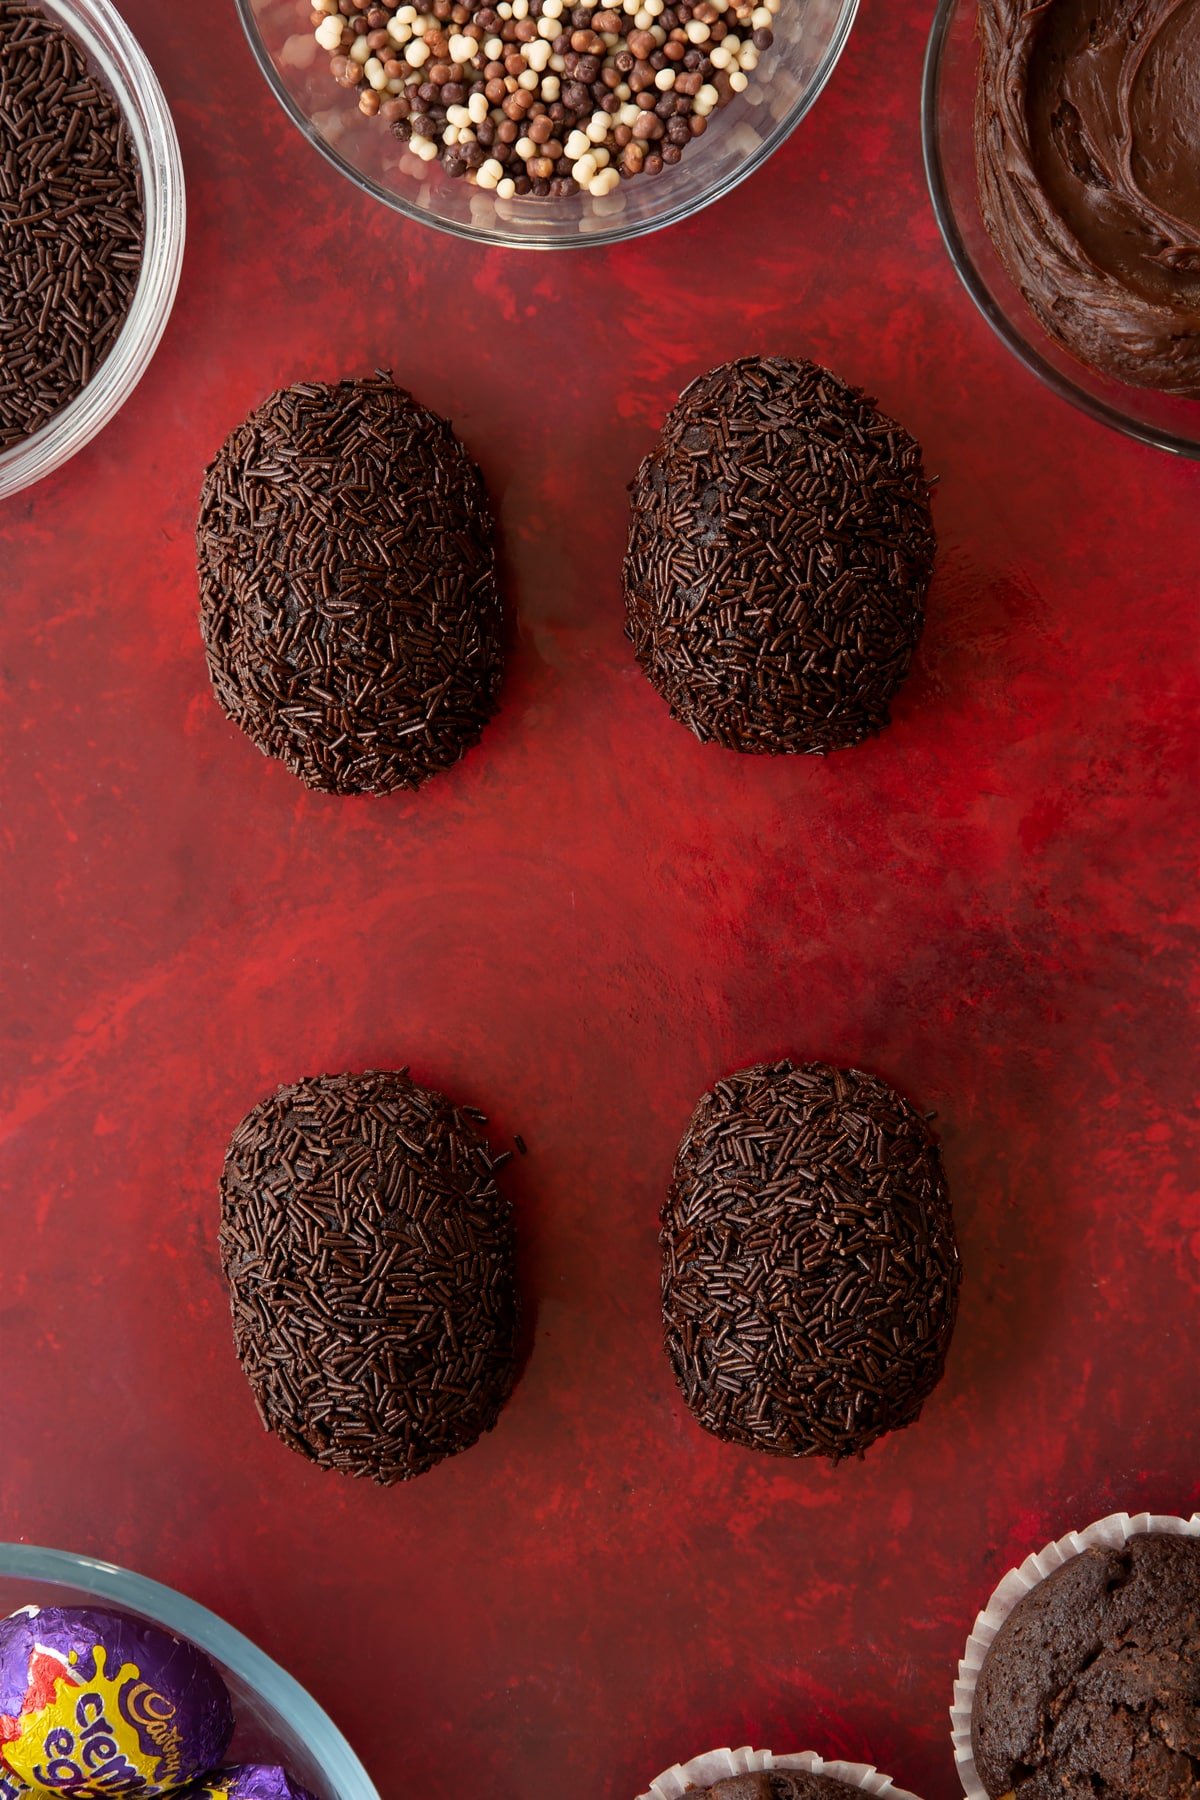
column 547, row 124
column 952, row 67
column 93, row 214
column 276, row 1720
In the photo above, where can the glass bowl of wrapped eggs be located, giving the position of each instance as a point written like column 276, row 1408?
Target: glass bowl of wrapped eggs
column 110, row 1681
column 538, row 124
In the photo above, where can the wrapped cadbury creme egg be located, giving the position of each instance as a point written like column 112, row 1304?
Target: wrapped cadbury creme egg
column 96, row 1703
column 250, row 1781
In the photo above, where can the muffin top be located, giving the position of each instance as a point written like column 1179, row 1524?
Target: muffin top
column 1091, row 1690
column 780, row 1784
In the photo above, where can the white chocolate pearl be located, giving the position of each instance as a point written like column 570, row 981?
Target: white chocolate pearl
column 506, row 189
column 425, row 148
column 537, row 54
column 642, row 19
column 462, row 49
column 520, row 9
column 604, row 183
column 416, row 54
column 578, row 144
column 719, row 58
column 552, row 9
column 547, row 29
column 373, row 70
column 739, row 82
column 629, row 114
column 457, row 116
column 664, row 81
column 697, row 31
column 360, row 50
column 528, row 80
column 558, row 63
column 601, row 156
column 748, row 58
column 598, row 127
column 583, row 170
column 551, row 87
column 329, row 32
column 489, row 173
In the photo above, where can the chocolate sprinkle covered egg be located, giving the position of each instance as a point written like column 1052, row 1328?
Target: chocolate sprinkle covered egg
column 94, row 1701
column 349, row 606
column 370, row 1263
column 810, row 1269
column 779, row 553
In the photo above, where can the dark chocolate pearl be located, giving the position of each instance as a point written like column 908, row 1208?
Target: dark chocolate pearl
column 763, row 39
column 671, row 153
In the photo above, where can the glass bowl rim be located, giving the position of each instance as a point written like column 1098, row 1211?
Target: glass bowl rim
column 614, row 234
column 1159, row 437
column 111, row 46
column 187, row 1618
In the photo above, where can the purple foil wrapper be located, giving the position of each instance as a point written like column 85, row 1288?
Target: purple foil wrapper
column 250, row 1781
column 134, row 1710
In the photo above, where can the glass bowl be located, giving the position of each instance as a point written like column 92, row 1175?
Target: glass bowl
column 809, row 37
column 119, row 58
column 277, row 1721
column 947, row 130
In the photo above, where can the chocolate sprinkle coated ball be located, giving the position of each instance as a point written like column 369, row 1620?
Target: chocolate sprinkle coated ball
column 780, row 550
column 370, row 1263
column 1091, row 1688
column 779, row 1784
column 348, row 589
column 810, row 1271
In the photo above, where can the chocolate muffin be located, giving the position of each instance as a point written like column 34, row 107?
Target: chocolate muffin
column 348, row 597
column 810, row 1270
column 370, row 1263
column 779, row 553
column 779, row 1784
column 1091, row 1689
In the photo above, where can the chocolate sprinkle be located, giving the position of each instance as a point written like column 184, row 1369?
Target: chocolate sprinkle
column 780, row 550
column 810, row 1271
column 349, row 605
column 71, row 220
column 370, row 1262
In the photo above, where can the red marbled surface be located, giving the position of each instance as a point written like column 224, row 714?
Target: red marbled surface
column 579, row 928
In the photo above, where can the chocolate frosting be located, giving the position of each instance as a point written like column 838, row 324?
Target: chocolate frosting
column 1087, row 149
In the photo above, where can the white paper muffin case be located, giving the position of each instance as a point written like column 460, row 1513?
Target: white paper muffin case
column 718, row 1764
column 1110, row 1534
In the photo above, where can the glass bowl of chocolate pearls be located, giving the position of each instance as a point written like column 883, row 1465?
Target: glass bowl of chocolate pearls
column 542, row 124
column 97, row 230
column 954, row 67
column 276, row 1721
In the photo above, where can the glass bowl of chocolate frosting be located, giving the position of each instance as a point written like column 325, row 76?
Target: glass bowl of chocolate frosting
column 547, row 124
column 1062, row 151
